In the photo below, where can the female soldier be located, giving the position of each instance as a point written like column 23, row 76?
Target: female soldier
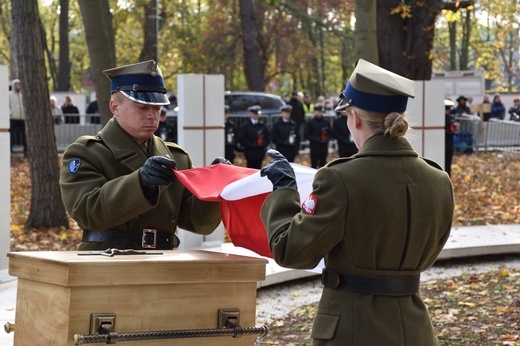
column 378, row 218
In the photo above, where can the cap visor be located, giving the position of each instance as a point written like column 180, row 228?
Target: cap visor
column 147, row 97
column 344, row 102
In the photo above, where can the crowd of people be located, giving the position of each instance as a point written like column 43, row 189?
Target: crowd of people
column 300, row 120
column 378, row 218
column 494, row 109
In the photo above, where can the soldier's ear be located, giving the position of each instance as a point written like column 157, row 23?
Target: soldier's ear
column 356, row 118
column 114, row 106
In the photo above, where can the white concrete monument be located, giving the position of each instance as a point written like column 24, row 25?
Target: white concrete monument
column 5, row 172
column 200, row 127
column 425, row 114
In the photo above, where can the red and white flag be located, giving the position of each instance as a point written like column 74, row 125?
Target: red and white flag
column 241, row 192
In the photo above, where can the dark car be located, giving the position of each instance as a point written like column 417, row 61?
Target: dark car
column 239, row 101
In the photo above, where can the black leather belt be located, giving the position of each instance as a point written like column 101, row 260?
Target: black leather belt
column 395, row 286
column 146, row 238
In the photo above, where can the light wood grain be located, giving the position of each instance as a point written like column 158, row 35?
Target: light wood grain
column 58, row 291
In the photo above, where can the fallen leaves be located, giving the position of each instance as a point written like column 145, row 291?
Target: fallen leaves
column 48, row 238
column 478, row 309
column 471, row 309
column 486, row 186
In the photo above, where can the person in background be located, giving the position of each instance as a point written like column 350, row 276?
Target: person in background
column 308, row 106
column 69, row 108
column 498, row 110
column 378, row 219
column 485, row 100
column 340, row 131
column 451, row 129
column 297, row 113
column 173, row 101
column 119, row 185
column 285, row 135
column 231, row 134
column 514, row 111
column 166, row 129
column 328, row 109
column 318, row 133
column 57, row 114
column 17, row 116
column 254, row 137
column 461, row 107
column 93, row 111
column 469, row 101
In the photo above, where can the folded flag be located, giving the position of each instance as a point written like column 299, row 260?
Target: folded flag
column 241, row 192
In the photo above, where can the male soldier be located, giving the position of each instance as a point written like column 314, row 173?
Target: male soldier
column 285, row 134
column 230, row 131
column 166, row 129
column 317, row 132
column 17, row 116
column 297, row 113
column 340, row 131
column 254, row 137
column 119, row 185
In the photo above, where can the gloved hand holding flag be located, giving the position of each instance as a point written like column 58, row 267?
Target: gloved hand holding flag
column 241, row 192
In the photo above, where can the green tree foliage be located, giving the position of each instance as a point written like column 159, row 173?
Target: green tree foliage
column 303, row 44
column 5, row 31
column 493, row 42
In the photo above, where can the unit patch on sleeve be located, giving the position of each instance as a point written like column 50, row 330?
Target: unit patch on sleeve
column 74, row 165
column 309, row 205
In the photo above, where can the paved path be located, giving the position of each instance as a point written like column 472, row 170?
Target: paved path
column 463, row 242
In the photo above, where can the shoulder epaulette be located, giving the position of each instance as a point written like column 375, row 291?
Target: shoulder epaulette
column 339, row 160
column 88, row 138
column 432, row 163
column 175, row 147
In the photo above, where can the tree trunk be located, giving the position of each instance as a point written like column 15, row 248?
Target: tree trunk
column 13, row 62
column 149, row 50
column 464, row 50
column 366, row 31
column 405, row 38
column 99, row 33
column 252, row 60
column 452, row 29
column 405, row 44
column 64, row 64
column 313, row 77
column 46, row 204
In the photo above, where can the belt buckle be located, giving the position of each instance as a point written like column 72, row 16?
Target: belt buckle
column 329, row 278
column 149, row 238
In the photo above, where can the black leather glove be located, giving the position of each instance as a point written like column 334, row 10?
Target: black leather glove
column 221, row 160
column 279, row 171
column 157, row 170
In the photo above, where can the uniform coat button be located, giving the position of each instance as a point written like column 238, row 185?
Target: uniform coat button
column 173, row 218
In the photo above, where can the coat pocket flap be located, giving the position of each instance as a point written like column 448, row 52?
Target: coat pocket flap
column 325, row 324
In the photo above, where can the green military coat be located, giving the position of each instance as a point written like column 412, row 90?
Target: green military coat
column 384, row 212
column 105, row 192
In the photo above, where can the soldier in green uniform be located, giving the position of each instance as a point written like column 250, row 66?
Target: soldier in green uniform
column 119, row 185
column 378, row 218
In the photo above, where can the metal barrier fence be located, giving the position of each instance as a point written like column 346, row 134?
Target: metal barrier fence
column 88, row 124
column 475, row 135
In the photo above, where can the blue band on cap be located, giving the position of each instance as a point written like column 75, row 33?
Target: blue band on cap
column 374, row 102
column 140, row 79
